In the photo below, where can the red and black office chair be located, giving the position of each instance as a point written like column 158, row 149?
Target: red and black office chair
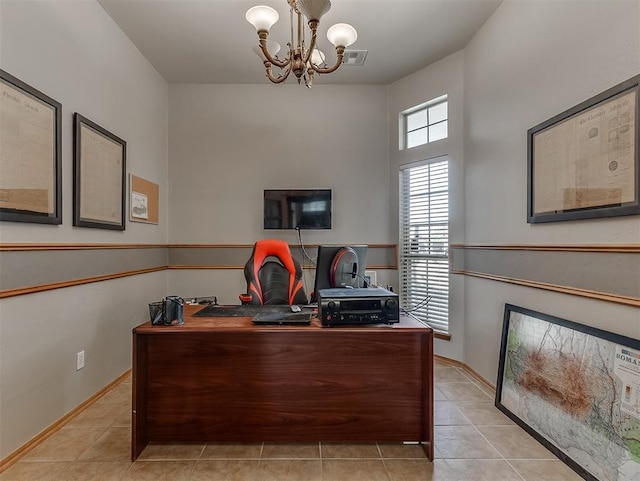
column 273, row 275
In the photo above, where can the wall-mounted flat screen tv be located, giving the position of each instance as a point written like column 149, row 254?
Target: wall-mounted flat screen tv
column 297, row 209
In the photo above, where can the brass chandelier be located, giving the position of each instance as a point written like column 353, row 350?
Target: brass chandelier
column 304, row 61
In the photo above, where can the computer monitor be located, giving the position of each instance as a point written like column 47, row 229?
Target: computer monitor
column 340, row 266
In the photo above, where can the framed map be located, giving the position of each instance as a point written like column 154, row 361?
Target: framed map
column 576, row 389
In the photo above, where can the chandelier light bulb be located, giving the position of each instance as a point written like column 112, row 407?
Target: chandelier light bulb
column 342, row 35
column 273, row 48
column 262, row 17
column 317, row 57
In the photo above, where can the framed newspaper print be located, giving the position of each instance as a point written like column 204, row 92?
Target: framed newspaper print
column 99, row 163
column 30, row 154
column 584, row 163
column 574, row 388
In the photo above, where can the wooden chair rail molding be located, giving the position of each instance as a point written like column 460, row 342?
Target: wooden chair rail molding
column 631, row 248
column 458, row 266
column 72, row 247
column 386, row 259
column 75, row 282
column 77, row 246
column 601, row 296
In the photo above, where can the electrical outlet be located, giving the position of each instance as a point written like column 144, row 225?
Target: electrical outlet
column 79, row 360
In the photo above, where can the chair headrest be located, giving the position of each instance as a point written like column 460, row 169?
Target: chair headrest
column 276, row 248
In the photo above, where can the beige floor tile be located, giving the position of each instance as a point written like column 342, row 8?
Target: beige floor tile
column 346, row 451
column 160, row 471
column 226, row 470
column 122, row 416
column 291, row 451
column 544, row 470
column 462, row 442
column 512, row 442
column 353, row 470
column 456, row 391
column 401, row 451
column 120, row 394
column 450, row 374
column 438, row 395
column 290, row 470
column 158, row 451
column 489, row 391
column 35, row 470
column 102, row 414
column 476, row 470
column 66, row 444
column 95, row 446
column 483, row 412
column 410, row 470
column 114, row 445
column 96, row 471
column 447, row 413
column 232, row 451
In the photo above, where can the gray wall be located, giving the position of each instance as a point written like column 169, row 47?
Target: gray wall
column 529, row 62
column 227, row 143
column 73, row 52
column 222, row 145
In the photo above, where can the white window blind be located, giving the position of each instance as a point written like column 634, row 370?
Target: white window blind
column 424, row 242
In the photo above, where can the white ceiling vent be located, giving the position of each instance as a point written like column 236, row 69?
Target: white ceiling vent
column 354, row 57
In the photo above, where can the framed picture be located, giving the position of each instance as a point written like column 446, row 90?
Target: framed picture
column 574, row 388
column 99, row 163
column 584, row 163
column 144, row 199
column 30, row 154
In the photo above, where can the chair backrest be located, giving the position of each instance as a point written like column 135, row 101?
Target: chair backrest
column 273, row 275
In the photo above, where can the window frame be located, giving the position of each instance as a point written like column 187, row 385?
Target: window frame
column 403, row 121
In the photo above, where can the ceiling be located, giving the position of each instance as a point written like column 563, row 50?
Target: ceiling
column 209, row 41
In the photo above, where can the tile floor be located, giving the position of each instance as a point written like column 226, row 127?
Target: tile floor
column 473, row 442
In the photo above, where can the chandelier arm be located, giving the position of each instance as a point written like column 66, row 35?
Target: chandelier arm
column 313, row 25
column 263, row 46
column 340, row 54
column 281, row 78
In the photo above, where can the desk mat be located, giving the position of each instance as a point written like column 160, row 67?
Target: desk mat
column 250, row 310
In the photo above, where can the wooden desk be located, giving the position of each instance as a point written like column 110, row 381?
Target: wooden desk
column 223, row 379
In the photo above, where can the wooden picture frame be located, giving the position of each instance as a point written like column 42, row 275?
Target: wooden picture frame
column 584, row 162
column 574, row 388
column 31, row 153
column 99, row 181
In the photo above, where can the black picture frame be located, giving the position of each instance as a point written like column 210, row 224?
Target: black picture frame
column 540, row 381
column 19, row 203
column 99, row 176
column 580, row 165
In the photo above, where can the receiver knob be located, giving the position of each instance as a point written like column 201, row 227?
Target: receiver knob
column 331, row 304
column 390, row 303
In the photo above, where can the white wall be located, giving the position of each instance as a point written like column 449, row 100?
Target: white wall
column 440, row 78
column 230, row 142
column 530, row 61
column 73, row 52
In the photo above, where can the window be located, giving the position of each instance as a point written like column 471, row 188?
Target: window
column 314, row 206
column 424, row 242
column 424, row 123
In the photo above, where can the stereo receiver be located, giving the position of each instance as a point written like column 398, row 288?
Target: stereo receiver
column 342, row 306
